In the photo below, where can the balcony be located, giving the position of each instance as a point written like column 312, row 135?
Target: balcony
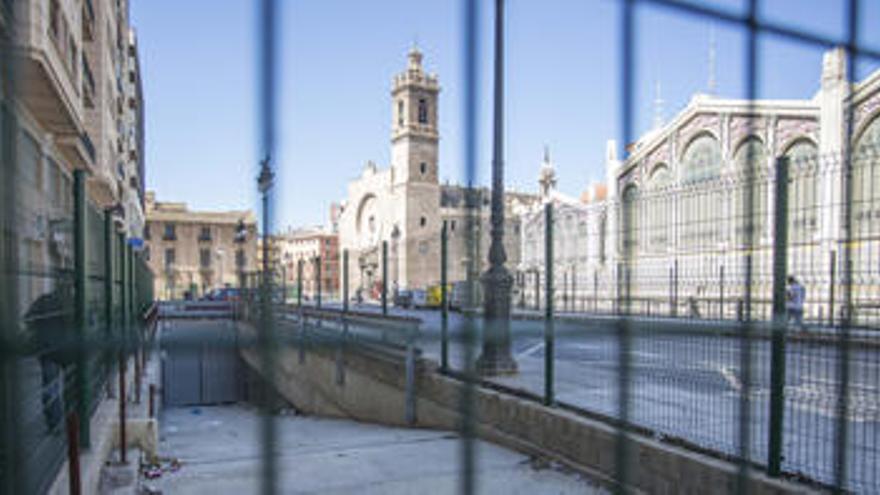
column 78, row 150
column 47, row 79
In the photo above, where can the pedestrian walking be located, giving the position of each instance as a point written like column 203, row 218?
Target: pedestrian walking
column 795, row 297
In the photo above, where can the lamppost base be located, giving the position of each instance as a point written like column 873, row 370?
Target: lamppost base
column 502, row 365
column 496, row 358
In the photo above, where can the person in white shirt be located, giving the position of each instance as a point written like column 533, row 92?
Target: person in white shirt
column 797, row 293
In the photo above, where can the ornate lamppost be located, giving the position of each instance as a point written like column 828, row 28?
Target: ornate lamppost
column 264, row 183
column 496, row 358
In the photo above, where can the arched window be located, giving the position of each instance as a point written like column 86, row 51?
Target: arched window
column 423, row 111
column 866, row 179
column 702, row 158
column 630, row 222
column 659, row 204
column 802, row 190
column 700, row 215
column 750, row 160
column 400, row 113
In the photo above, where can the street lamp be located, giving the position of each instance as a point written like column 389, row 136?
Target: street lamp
column 496, row 358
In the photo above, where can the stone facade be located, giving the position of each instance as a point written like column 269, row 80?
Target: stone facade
column 405, row 206
column 196, row 251
column 693, row 203
column 310, row 247
column 61, row 111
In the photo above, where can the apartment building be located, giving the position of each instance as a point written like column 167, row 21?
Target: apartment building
column 63, row 108
column 196, row 251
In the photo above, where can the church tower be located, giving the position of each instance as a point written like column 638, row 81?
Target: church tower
column 414, row 134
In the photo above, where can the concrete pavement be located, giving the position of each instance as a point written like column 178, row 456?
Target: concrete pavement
column 219, row 450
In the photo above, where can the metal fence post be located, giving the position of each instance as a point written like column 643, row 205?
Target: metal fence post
column 345, row 280
column 721, row 293
column 832, row 270
column 537, row 290
column 80, row 203
column 108, row 272
column 299, row 283
column 777, row 359
column 318, row 277
column 444, row 303
column 385, row 278
column 548, row 312
column 675, row 288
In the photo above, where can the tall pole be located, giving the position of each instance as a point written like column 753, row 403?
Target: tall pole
column 497, row 281
column 444, row 303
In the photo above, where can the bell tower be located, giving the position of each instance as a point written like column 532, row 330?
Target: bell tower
column 414, row 134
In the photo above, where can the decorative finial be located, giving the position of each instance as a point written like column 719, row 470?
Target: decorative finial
column 546, row 153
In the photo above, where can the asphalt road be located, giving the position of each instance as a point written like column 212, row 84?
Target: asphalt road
column 689, row 383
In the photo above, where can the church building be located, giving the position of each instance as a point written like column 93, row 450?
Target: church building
column 406, row 206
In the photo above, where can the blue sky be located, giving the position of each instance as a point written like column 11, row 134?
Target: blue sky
column 337, row 58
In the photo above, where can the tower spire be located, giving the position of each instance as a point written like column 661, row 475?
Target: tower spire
column 658, row 106
column 712, row 82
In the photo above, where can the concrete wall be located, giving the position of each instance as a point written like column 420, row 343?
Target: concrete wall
column 368, row 385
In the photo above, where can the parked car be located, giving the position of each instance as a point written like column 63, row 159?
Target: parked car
column 403, row 298
column 419, row 298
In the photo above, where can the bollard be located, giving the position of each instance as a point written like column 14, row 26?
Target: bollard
column 73, row 469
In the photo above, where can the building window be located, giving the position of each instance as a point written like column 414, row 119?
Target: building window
column 423, row 221
column 452, row 226
column 146, row 232
column 147, row 253
column 169, row 257
column 423, row 168
column 170, row 234
column 205, row 234
column 400, row 113
column 205, row 258
column 423, row 111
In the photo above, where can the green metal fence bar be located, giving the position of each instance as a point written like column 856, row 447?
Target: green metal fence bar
column 318, row 280
column 385, row 278
column 80, row 229
column 777, row 358
column 299, row 283
column 549, row 292
column 444, row 302
column 345, row 280
column 108, row 273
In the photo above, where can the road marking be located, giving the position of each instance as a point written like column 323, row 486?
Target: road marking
column 530, row 350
